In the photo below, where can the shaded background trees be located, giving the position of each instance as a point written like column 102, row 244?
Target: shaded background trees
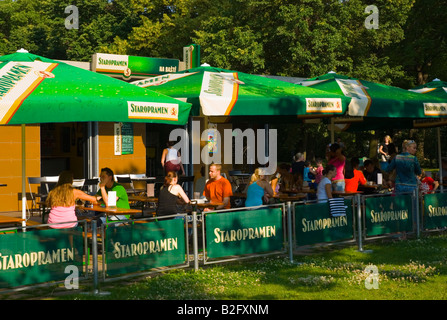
column 302, row 38
column 298, row 38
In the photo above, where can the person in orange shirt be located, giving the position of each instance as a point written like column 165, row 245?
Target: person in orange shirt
column 218, row 189
column 353, row 176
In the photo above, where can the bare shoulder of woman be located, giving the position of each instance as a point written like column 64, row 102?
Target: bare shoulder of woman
column 176, row 189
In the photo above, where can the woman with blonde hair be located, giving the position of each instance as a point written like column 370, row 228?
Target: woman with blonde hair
column 259, row 186
column 62, row 201
column 386, row 150
column 407, row 168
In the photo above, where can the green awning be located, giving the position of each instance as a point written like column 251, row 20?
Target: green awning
column 35, row 89
column 220, row 92
column 371, row 99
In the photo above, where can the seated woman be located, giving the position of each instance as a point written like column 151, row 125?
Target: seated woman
column 170, row 192
column 259, row 186
column 62, row 201
column 353, row 176
column 324, row 189
column 275, row 182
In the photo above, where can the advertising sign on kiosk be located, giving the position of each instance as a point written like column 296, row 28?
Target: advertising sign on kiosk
column 129, row 67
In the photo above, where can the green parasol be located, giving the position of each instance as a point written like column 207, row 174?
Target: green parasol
column 35, row 89
column 220, row 92
column 436, row 88
column 371, row 99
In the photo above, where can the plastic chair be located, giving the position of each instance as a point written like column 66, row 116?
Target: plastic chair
column 78, row 183
column 49, row 183
column 136, row 176
column 34, row 195
column 236, row 182
column 127, row 183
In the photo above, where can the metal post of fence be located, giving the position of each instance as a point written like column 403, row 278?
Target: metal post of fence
column 95, row 260
column 195, row 240
column 358, row 199
column 416, row 210
column 289, row 229
column 95, row 257
column 359, row 222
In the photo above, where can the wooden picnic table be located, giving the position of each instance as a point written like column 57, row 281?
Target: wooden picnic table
column 206, row 204
column 111, row 211
column 6, row 220
column 10, row 220
column 346, row 193
column 212, row 205
column 288, row 197
column 139, row 198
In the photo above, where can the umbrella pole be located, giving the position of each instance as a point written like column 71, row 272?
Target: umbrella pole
column 440, row 159
column 332, row 129
column 207, row 126
column 23, row 176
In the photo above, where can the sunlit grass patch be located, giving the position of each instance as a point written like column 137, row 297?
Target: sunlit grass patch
column 410, row 269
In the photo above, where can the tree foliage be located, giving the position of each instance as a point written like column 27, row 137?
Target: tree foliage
column 302, row 38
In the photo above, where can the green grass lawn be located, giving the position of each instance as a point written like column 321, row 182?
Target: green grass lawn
column 406, row 270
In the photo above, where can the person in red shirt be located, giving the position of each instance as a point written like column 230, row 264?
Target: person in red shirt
column 354, row 176
column 428, row 184
column 218, row 189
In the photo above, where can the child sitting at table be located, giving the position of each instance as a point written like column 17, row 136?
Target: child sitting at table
column 318, row 171
column 427, row 184
column 308, row 174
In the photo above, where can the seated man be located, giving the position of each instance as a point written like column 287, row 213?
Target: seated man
column 370, row 171
column 107, row 183
column 218, row 188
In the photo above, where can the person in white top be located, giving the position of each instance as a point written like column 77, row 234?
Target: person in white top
column 324, row 189
column 171, row 160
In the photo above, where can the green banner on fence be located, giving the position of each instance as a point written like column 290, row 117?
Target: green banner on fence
column 388, row 214
column 313, row 224
column 143, row 246
column 435, row 210
column 244, row 232
column 38, row 256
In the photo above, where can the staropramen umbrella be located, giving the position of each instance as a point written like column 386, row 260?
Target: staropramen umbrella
column 220, row 92
column 438, row 89
column 35, row 89
column 435, row 88
column 371, row 99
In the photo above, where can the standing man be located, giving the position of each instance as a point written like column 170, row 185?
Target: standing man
column 218, row 189
column 107, row 183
